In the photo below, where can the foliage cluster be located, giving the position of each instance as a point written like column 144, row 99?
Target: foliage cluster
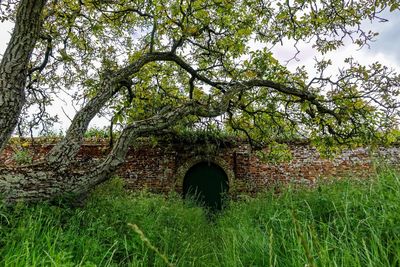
column 97, row 133
column 136, row 60
column 343, row 223
column 21, row 154
column 22, row 157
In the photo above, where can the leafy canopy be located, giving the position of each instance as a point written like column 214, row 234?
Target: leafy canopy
column 201, row 50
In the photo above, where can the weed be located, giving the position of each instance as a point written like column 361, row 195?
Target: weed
column 343, row 223
column 22, row 157
column 97, row 133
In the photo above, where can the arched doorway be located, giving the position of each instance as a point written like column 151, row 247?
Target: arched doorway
column 207, row 183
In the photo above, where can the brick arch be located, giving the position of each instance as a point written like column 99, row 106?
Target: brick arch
column 182, row 170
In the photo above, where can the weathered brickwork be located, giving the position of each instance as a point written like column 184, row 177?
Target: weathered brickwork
column 162, row 168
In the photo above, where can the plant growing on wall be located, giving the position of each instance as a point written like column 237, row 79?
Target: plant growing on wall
column 156, row 65
column 22, row 157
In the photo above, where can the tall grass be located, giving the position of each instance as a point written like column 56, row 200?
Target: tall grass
column 343, row 223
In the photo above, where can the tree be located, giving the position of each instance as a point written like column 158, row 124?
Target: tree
column 158, row 65
column 14, row 65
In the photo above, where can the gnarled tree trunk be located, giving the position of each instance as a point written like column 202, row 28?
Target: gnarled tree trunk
column 43, row 182
column 14, row 65
column 65, row 151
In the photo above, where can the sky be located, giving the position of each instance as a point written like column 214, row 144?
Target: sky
column 384, row 49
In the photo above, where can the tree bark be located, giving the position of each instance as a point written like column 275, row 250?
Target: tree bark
column 43, row 182
column 65, row 151
column 14, row 65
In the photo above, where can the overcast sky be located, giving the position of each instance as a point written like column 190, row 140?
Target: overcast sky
column 385, row 50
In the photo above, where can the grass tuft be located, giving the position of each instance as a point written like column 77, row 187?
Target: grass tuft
column 343, row 223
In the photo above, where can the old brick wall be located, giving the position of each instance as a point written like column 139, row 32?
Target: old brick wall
column 161, row 168
column 157, row 168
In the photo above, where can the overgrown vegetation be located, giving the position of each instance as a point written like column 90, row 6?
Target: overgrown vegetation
column 22, row 157
column 342, row 223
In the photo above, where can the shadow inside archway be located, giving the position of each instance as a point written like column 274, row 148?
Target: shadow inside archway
column 206, row 183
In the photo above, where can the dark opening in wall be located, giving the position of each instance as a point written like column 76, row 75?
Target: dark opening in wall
column 207, row 183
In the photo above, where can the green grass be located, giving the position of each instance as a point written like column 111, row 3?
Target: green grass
column 344, row 223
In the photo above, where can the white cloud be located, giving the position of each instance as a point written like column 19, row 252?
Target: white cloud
column 385, row 48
